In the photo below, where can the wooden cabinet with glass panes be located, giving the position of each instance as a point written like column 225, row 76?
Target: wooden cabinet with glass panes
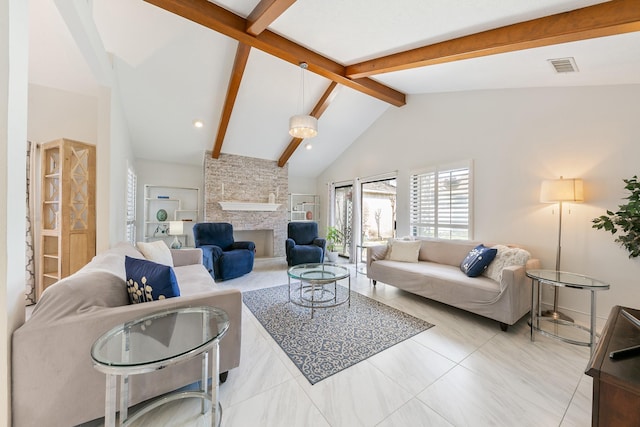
column 68, row 214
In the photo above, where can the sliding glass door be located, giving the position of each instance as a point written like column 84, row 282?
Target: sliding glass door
column 343, row 209
column 378, row 211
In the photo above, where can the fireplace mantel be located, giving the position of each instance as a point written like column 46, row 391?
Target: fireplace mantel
column 249, row 206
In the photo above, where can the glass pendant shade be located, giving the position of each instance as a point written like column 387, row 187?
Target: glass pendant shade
column 303, row 126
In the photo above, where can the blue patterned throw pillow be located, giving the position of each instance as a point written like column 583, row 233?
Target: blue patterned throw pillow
column 149, row 281
column 477, row 260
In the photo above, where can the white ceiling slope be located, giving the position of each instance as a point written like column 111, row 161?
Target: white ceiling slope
column 170, row 71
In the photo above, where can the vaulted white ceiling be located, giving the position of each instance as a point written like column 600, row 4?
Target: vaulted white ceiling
column 170, row 71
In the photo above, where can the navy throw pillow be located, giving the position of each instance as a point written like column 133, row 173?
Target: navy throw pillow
column 149, row 281
column 477, row 260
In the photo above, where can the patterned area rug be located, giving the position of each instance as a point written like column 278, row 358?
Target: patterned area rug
column 336, row 337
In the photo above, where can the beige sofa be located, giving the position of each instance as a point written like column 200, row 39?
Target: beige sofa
column 437, row 276
column 53, row 379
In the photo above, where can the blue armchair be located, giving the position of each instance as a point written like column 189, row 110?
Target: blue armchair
column 303, row 246
column 223, row 258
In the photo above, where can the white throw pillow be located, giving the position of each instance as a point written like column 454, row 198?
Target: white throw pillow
column 505, row 257
column 404, row 250
column 157, row 251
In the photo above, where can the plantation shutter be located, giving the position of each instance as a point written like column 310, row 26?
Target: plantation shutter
column 132, row 181
column 423, row 204
column 441, row 203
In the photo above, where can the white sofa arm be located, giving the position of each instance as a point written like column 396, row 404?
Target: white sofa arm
column 188, row 256
column 375, row 253
column 515, row 275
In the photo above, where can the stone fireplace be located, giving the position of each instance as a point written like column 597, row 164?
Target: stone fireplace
column 260, row 189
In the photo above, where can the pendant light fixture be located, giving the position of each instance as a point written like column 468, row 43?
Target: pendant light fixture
column 303, row 125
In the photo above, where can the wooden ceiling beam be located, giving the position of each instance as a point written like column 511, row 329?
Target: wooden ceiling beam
column 265, row 13
column 605, row 19
column 225, row 22
column 239, row 65
column 321, row 106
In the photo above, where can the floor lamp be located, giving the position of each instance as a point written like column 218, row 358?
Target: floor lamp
column 558, row 191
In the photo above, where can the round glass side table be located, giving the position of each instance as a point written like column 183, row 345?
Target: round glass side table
column 155, row 342
column 312, row 290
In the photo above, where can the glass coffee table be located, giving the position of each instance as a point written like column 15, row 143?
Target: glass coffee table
column 311, row 286
column 155, row 342
column 566, row 280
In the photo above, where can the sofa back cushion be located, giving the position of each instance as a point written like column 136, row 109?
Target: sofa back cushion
column 404, row 250
column 100, row 283
column 450, row 252
column 81, row 292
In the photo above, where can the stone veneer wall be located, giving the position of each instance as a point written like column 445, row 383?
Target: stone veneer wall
column 233, row 178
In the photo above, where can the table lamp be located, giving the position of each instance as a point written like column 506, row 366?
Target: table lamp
column 558, row 191
column 176, row 228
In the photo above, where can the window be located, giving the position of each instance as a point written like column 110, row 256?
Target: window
column 132, row 181
column 441, row 202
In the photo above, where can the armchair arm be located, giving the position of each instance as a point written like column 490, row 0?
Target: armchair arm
column 288, row 245
column 244, row 245
column 320, row 242
column 210, row 255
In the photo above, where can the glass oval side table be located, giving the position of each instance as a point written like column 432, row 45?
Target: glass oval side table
column 155, row 342
column 566, row 280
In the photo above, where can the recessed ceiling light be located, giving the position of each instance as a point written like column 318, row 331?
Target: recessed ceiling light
column 198, row 123
column 308, row 146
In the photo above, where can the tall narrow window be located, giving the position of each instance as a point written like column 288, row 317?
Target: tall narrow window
column 343, row 213
column 132, row 181
column 441, row 203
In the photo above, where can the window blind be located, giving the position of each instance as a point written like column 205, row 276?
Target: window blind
column 440, row 203
column 132, row 181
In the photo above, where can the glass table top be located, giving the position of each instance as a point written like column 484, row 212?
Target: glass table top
column 160, row 337
column 327, row 272
column 566, row 279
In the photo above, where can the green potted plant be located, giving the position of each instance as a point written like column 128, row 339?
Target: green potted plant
column 627, row 219
column 335, row 238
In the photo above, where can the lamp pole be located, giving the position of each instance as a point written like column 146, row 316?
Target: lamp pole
column 555, row 314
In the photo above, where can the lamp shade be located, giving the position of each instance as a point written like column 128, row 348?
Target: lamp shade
column 176, row 228
column 561, row 190
column 303, row 126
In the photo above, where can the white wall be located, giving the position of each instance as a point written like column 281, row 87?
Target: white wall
column 115, row 143
column 302, row 185
column 13, row 136
column 55, row 113
column 517, row 138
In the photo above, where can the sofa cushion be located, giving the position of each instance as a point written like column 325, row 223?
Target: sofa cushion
column 450, row 252
column 149, row 281
column 505, row 257
column 477, row 260
column 404, row 250
column 440, row 282
column 157, row 251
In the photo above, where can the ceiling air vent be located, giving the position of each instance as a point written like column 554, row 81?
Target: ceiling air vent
column 564, row 65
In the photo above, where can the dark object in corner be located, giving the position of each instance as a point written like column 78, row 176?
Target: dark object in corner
column 223, row 377
column 616, row 382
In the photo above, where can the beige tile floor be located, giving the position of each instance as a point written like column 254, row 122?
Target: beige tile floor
column 462, row 372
